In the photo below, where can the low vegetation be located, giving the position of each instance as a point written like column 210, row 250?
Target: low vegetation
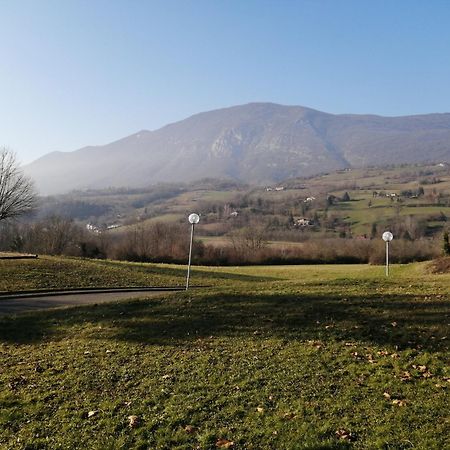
column 48, row 272
column 332, row 218
column 298, row 357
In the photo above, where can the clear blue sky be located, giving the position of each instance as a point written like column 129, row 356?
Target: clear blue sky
column 75, row 73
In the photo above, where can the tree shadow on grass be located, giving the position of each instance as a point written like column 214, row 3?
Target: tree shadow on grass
column 399, row 321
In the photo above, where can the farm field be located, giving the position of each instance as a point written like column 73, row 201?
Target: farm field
column 285, row 357
column 378, row 198
column 359, row 214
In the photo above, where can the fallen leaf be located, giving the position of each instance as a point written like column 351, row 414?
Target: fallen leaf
column 190, row 429
column 386, row 395
column 92, row 413
column 406, row 376
column 344, row 435
column 224, row 443
column 260, row 409
column 133, row 421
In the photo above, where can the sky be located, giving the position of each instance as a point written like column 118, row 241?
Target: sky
column 88, row 72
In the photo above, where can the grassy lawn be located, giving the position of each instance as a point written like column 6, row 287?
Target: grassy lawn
column 298, row 357
column 49, row 272
column 361, row 216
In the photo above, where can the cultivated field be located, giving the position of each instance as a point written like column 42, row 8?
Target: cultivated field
column 298, row 357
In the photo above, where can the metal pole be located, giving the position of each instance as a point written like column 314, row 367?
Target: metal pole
column 190, row 255
column 387, row 258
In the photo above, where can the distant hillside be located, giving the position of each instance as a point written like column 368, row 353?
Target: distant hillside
column 254, row 143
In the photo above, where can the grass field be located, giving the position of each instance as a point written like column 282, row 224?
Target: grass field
column 298, row 357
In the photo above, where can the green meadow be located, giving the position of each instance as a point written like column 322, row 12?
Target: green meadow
column 282, row 357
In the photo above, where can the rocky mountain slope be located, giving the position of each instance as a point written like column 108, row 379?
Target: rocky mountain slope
column 253, row 143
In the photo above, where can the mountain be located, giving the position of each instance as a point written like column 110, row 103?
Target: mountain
column 254, row 143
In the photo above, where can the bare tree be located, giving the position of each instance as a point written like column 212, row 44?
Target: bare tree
column 17, row 193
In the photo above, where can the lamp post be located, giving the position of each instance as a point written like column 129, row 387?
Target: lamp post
column 387, row 237
column 193, row 220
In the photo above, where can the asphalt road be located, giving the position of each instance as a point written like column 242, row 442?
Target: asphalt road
column 22, row 304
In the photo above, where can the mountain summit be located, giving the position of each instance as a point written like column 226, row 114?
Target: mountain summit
column 253, row 143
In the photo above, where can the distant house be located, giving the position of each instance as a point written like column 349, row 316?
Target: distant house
column 302, row 222
column 269, row 189
column 279, row 188
column 92, row 228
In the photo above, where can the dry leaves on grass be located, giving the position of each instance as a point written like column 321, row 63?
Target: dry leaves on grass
column 134, row 421
column 345, row 435
column 424, row 371
column 406, row 376
column 224, row 443
column 395, row 401
column 190, row 429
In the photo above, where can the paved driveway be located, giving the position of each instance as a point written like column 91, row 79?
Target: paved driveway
column 20, row 304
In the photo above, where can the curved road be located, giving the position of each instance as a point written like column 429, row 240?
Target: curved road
column 13, row 304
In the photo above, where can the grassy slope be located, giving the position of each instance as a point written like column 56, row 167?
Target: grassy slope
column 359, row 183
column 362, row 216
column 55, row 272
column 271, row 357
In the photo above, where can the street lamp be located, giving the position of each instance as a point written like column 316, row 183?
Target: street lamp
column 387, row 237
column 193, row 220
